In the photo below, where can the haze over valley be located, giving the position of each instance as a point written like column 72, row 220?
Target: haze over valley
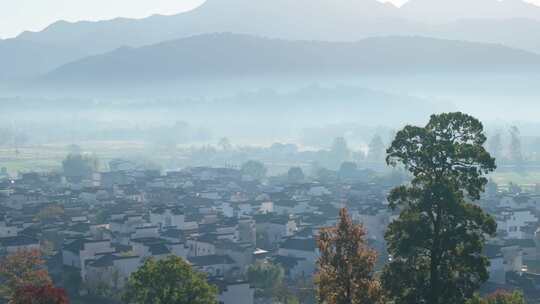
column 260, row 72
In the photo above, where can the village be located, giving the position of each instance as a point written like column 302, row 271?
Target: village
column 98, row 228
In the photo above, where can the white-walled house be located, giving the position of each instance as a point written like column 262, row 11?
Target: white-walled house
column 241, row 254
column 276, row 229
column 158, row 248
column 146, row 231
column 375, row 221
column 126, row 224
column 226, row 209
column 305, row 250
column 213, row 265
column 287, row 207
column 112, row 270
column 8, row 230
column 247, row 230
column 318, row 191
column 201, row 247
column 168, row 217
column 513, row 223
column 497, row 272
column 513, row 258
column 77, row 252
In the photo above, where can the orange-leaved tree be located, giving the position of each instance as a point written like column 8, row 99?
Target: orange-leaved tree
column 21, row 269
column 46, row 294
column 346, row 265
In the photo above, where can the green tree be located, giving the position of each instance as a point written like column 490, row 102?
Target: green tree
column 50, row 213
column 516, row 154
column 376, row 149
column 325, row 175
column 267, row 278
column 71, row 280
column 6, row 136
column 225, row 144
column 254, row 169
column 494, row 145
column 346, row 265
column 436, row 243
column 340, row 151
column 285, row 295
column 295, row 175
column 304, row 290
column 169, row 281
column 514, row 188
column 499, row 297
column 77, row 166
column 102, row 217
column 348, row 170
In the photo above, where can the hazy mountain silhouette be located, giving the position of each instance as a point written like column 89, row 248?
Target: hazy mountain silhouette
column 439, row 11
column 510, row 22
column 299, row 19
column 20, row 59
column 516, row 33
column 233, row 55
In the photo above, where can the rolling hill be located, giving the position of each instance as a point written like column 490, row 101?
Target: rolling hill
column 221, row 56
column 20, row 58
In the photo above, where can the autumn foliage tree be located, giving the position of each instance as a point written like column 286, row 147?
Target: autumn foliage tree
column 22, row 269
column 46, row 294
column 346, row 265
column 436, row 243
column 499, row 297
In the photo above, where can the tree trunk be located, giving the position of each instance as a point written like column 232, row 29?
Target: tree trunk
column 435, row 258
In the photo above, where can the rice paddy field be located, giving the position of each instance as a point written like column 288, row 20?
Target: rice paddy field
column 48, row 157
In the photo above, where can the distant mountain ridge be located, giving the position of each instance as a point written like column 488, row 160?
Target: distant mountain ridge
column 300, row 19
column 439, row 11
column 214, row 56
column 20, row 58
column 509, row 22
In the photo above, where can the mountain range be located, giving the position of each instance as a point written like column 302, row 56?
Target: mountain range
column 225, row 55
column 32, row 54
column 438, row 11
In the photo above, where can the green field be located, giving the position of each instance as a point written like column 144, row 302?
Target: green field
column 49, row 158
column 527, row 179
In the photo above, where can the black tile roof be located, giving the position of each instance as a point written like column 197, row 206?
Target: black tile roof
column 107, row 260
column 21, row 240
column 287, row 262
column 207, row 260
column 299, row 244
column 158, row 249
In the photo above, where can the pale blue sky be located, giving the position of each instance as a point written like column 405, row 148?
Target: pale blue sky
column 20, row 15
column 34, row 15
